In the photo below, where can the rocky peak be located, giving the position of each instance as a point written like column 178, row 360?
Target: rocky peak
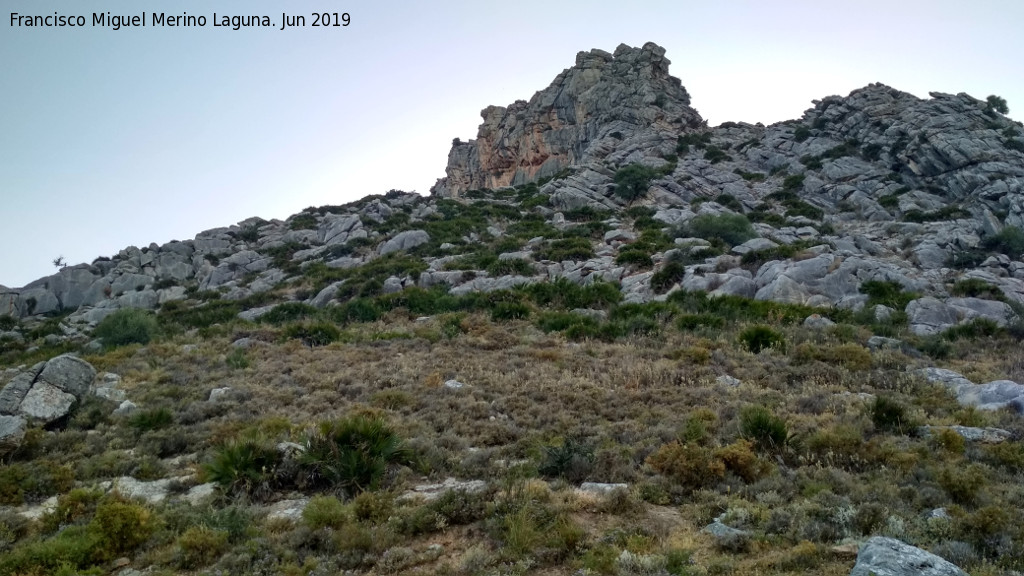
column 603, row 100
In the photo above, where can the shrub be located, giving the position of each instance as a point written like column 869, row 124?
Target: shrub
column 997, row 103
column 1009, row 241
column 33, row 481
column 247, row 466
column 566, row 249
column 127, row 326
column 886, row 293
column 325, row 512
column 201, row 546
column 303, row 221
column 516, row 266
column 694, row 321
column 740, row 459
column 122, row 527
column 667, row 277
column 632, row 181
column 314, row 334
column 503, row 311
column 732, row 229
column 356, row 310
column 714, row 154
column 152, row 419
column 689, row 464
column 888, row 414
column 758, row 338
column 635, row 257
column 572, row 460
column 765, row 429
column 352, row 454
column 849, row 356
column 237, row 359
column 977, row 288
column 976, row 328
column 289, row 312
column 793, row 182
column 801, row 133
column 963, row 483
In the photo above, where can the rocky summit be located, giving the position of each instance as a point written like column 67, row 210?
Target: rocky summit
column 875, row 186
column 612, row 340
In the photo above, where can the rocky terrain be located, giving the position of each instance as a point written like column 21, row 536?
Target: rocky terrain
column 879, row 232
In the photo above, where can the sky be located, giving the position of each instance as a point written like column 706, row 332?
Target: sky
column 113, row 138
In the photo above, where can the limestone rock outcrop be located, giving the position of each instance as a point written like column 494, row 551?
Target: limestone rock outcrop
column 603, row 99
column 46, row 392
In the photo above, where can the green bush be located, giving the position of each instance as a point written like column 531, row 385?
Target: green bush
column 245, row 467
column 504, row 311
column 33, row 481
column 888, row 414
column 632, row 181
column 325, row 512
column 963, row 483
column 201, row 546
column 564, row 294
column 303, row 221
column 977, row 288
column 690, row 465
column 758, row 338
column 668, row 276
column 634, row 257
column 122, row 525
column 732, row 229
column 1009, row 241
column 314, row 334
column 127, row 326
column 694, row 321
column 566, row 249
column 289, row 312
column 572, row 460
column 513, row 266
column 976, row 328
column 152, row 419
column 356, row 310
column 886, row 293
column 765, row 429
column 352, row 454
column 801, row 133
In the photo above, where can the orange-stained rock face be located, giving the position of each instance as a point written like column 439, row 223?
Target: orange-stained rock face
column 604, row 96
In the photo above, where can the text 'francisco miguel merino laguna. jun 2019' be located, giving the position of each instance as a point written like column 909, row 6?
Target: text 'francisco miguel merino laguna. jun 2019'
column 183, row 20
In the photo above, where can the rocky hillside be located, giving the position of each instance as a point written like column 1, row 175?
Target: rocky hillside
column 876, row 186
column 613, row 341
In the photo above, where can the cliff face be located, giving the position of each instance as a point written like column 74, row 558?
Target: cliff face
column 603, row 98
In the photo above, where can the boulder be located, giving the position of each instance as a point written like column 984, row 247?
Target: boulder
column 405, row 241
column 69, row 374
column 882, row 556
column 46, row 403
column 929, row 316
column 12, row 432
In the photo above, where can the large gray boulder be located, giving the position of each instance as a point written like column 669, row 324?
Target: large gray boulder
column 929, row 316
column 12, row 432
column 15, row 390
column 405, row 241
column 340, row 228
column 994, row 395
column 68, row 374
column 45, row 404
column 882, row 556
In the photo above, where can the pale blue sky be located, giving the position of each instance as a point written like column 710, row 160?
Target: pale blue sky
column 117, row 138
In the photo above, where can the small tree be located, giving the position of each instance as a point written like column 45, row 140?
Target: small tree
column 633, row 181
column 59, row 262
column 998, row 104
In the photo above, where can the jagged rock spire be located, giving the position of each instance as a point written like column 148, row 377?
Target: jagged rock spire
column 604, row 96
